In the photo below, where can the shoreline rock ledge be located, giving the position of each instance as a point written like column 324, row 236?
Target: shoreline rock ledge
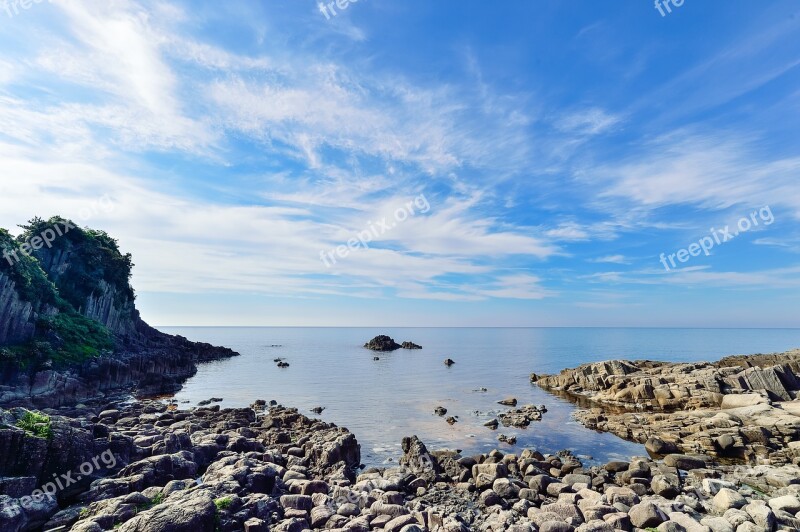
column 741, row 407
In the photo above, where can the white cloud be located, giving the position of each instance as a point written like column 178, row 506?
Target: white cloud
column 592, row 121
column 709, row 171
column 611, row 259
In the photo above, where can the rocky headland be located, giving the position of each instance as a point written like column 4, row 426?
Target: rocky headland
column 69, row 328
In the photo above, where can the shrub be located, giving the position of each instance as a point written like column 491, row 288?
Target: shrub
column 223, row 503
column 36, row 424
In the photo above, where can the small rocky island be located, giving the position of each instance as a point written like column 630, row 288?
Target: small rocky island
column 386, row 343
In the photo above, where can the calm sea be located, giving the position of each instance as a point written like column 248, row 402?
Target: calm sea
column 381, row 401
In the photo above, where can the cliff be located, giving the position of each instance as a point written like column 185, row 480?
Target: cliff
column 69, row 328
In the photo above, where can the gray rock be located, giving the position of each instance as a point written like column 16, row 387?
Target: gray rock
column 646, row 515
column 555, row 526
column 726, row 499
column 297, row 502
column 667, row 486
column 292, row 525
column 717, row 524
column 485, row 474
column 787, row 503
column 762, row 515
column 186, row 512
column 685, row 462
column 398, row 523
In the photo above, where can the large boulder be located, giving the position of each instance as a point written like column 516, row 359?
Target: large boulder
column 192, row 511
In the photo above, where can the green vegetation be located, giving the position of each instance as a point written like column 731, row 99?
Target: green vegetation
column 58, row 279
column 64, row 339
column 755, row 489
column 36, row 424
column 224, row 503
column 155, row 501
column 95, row 256
column 78, row 338
column 31, row 281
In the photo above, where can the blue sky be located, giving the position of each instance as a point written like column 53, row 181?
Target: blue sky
column 554, row 150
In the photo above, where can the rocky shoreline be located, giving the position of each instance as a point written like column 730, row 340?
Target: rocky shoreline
column 269, row 468
column 160, row 364
column 115, row 463
column 740, row 408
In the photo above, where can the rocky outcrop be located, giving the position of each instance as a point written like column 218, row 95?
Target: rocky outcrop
column 385, row 343
column 45, row 300
column 154, row 468
column 382, row 343
column 410, row 345
column 160, row 368
column 114, row 311
column 740, row 407
column 209, row 469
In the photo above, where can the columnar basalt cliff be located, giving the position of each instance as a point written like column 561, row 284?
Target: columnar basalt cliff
column 17, row 323
column 69, row 328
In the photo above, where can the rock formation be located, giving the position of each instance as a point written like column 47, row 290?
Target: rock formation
column 382, row 343
column 69, row 329
column 740, row 407
column 208, row 469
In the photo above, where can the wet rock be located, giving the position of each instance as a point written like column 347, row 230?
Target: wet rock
column 658, row 447
column 685, row 462
column 510, row 440
column 521, row 417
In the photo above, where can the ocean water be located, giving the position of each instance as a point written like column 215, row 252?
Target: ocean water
column 381, row 401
